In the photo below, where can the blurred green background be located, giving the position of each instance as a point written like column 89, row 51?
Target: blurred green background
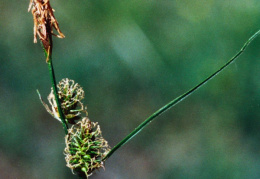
column 132, row 57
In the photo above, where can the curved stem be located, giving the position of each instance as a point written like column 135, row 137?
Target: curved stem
column 178, row 99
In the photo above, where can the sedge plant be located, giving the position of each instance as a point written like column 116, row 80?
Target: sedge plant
column 86, row 150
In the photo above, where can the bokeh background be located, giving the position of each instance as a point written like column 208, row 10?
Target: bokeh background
column 131, row 58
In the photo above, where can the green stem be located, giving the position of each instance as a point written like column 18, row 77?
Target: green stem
column 178, row 99
column 54, row 87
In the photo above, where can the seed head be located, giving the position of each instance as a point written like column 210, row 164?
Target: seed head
column 70, row 95
column 85, row 147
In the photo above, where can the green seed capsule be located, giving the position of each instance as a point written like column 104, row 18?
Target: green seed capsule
column 74, row 161
column 84, row 169
column 87, row 157
column 95, row 147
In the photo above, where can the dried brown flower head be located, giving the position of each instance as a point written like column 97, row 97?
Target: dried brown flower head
column 44, row 22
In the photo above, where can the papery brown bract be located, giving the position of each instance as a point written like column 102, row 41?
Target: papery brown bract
column 44, row 22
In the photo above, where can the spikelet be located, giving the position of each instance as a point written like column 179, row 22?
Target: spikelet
column 85, row 148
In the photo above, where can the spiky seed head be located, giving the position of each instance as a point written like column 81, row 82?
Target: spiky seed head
column 85, row 147
column 70, row 95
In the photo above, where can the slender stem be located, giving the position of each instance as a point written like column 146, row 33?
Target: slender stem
column 54, row 87
column 178, row 99
column 47, row 48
